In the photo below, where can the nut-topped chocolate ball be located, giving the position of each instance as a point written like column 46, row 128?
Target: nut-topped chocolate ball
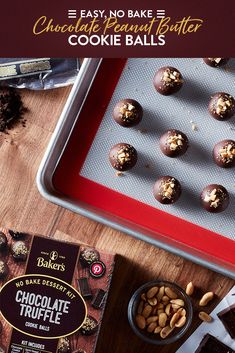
column 216, row 62
column 214, row 198
column 123, row 156
column 3, row 269
column 3, row 241
column 19, row 250
column 128, row 112
column 167, row 190
column 224, row 153
column 168, row 80
column 173, row 143
column 222, row 106
column 63, row 345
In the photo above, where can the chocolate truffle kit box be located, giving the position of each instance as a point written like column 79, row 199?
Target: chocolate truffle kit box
column 53, row 294
column 157, row 161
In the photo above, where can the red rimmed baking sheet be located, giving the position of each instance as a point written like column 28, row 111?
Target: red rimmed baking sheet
column 139, row 216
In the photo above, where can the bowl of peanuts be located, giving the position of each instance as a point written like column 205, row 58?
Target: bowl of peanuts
column 160, row 312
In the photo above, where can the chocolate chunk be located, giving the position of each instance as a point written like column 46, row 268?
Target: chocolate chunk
column 210, row 344
column 214, row 198
column 222, row 106
column 16, row 235
column 87, row 256
column 173, row 143
column 167, row 190
column 3, row 241
column 90, row 326
column 63, row 345
column 216, row 62
column 168, row 80
column 4, row 270
column 19, row 251
column 123, row 156
column 99, row 298
column 227, row 316
column 84, row 288
column 97, row 269
column 128, row 112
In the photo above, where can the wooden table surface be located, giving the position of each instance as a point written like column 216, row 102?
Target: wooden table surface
column 23, row 208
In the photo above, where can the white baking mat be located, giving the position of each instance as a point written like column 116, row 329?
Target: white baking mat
column 215, row 328
column 194, row 170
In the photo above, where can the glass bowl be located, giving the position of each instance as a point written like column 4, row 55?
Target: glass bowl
column 153, row 338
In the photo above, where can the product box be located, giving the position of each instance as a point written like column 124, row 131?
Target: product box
column 53, row 294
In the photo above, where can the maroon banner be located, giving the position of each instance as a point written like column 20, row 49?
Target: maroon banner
column 117, row 29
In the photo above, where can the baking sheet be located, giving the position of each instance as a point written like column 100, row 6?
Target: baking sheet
column 196, row 168
column 215, row 328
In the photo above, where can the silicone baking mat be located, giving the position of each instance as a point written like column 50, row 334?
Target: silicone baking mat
column 183, row 111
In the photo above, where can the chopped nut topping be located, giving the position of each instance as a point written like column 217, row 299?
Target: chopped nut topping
column 175, row 142
column 223, row 104
column 128, row 111
column 119, row 173
column 123, row 155
column 227, row 153
column 215, row 197
column 168, row 188
column 170, row 77
column 217, row 60
column 2, row 266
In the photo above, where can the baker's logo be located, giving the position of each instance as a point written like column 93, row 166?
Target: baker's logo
column 54, row 255
column 50, row 263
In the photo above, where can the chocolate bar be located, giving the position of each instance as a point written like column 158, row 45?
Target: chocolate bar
column 227, row 316
column 85, row 288
column 99, row 298
column 210, row 344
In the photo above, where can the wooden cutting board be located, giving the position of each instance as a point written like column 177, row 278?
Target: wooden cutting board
column 23, row 208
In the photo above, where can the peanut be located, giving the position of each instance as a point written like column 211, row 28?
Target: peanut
column 168, row 309
column 190, row 288
column 162, row 319
column 152, row 292
column 174, row 319
column 182, row 312
column 166, row 331
column 140, row 307
column 152, row 301
column 151, row 319
column 170, row 293
column 181, row 322
column 158, row 329
column 143, row 297
column 140, row 321
column 160, row 293
column 178, row 302
column 206, row 298
column 160, row 311
column 204, row 316
column 147, row 311
column 165, row 299
column 152, row 327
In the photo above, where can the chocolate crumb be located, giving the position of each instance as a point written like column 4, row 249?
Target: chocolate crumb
column 11, row 109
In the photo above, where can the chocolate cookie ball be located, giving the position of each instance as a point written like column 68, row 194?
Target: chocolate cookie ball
column 4, row 270
column 3, row 241
column 123, row 156
column 128, row 112
column 214, row 198
column 87, row 256
column 167, row 190
column 168, row 80
column 173, row 143
column 216, row 62
column 224, row 153
column 222, row 106
column 63, row 345
column 90, row 326
column 19, row 251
